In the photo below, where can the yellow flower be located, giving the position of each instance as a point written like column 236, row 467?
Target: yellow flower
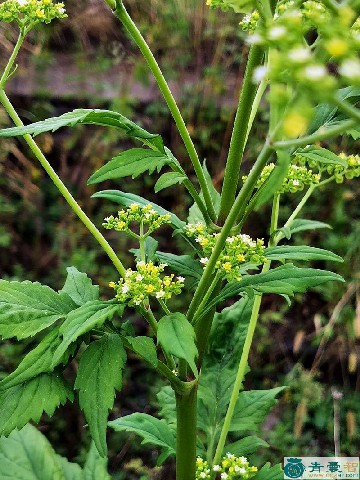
column 295, row 124
column 337, row 47
column 40, row 13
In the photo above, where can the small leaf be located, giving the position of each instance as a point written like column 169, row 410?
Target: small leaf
column 81, row 321
column 252, row 407
column 270, row 473
column 152, row 430
column 195, row 215
column 300, row 252
column 168, row 179
column 151, row 246
column 26, row 308
column 28, row 401
column 300, row 225
column 99, row 375
column 182, row 264
column 176, row 335
column 130, row 163
column 321, row 156
column 246, row 446
column 126, row 199
column 95, row 467
column 79, row 287
column 104, row 118
column 145, row 347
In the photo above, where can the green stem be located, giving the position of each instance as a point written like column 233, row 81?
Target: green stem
column 348, row 109
column 164, row 306
column 186, row 435
column 12, row 59
column 239, row 134
column 61, row 187
column 206, row 297
column 142, row 242
column 134, row 32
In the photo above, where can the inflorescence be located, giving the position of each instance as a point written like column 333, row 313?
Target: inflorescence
column 230, row 468
column 238, row 250
column 28, row 13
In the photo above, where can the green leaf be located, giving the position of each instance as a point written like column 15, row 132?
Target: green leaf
column 284, row 280
column 104, row 118
column 321, row 156
column 195, row 215
column 270, row 473
column 28, row 455
column 152, row 430
column 26, row 308
column 167, row 405
column 28, row 401
column 168, row 179
column 251, row 409
column 130, row 163
column 71, row 471
column 126, row 199
column 273, row 182
column 245, row 446
column 355, row 134
column 99, row 375
column 79, row 287
column 95, row 467
column 151, row 246
column 82, row 320
column 182, row 264
column 39, row 360
column 300, row 252
column 300, row 225
column 177, row 336
column 145, row 347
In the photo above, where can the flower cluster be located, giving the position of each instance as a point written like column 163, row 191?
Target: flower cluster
column 298, row 176
column 238, row 250
column 146, row 216
column 230, row 467
column 27, row 13
column 238, row 6
column 146, row 281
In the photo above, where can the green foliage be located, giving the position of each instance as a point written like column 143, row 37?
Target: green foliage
column 168, row 179
column 300, row 252
column 79, row 287
column 145, row 347
column 246, row 445
column 99, row 375
column 302, row 225
column 270, row 473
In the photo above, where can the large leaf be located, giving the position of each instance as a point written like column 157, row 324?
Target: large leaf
column 321, row 156
column 301, row 225
column 151, row 430
column 177, row 337
column 95, row 467
column 251, row 409
column 79, row 287
column 25, row 402
column 26, row 308
column 130, row 163
column 169, row 179
column 167, row 405
column 145, row 347
column 39, row 360
column 126, row 199
column 270, row 473
column 81, row 321
column 99, row 375
column 300, row 252
column 104, row 118
column 284, row 280
column 245, row 446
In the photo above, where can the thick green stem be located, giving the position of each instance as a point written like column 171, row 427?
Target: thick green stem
column 61, row 187
column 128, row 23
column 239, row 134
column 186, row 435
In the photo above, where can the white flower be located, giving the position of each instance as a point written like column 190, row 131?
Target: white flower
column 139, row 277
column 160, row 294
column 277, row 32
column 204, row 260
column 22, row 2
column 350, row 68
column 299, row 55
column 243, row 460
column 230, row 239
column 254, row 39
column 240, row 470
column 203, row 475
column 224, row 476
column 125, row 288
column 60, row 9
column 216, row 468
column 315, row 72
column 259, row 73
column 181, row 279
column 230, row 455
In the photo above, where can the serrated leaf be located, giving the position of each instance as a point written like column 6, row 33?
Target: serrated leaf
column 95, row 467
column 167, row 405
column 70, row 470
column 28, row 455
column 99, row 375
column 182, row 264
column 177, row 337
column 300, row 252
column 82, row 320
column 321, row 156
column 270, row 473
column 152, row 430
column 245, row 446
column 355, row 134
column 169, row 179
column 79, row 287
column 300, row 225
column 132, row 163
column 145, row 347
column 27, row 401
column 126, row 199
column 195, row 214
column 39, row 360
column 26, row 308
column 105, row 118
column 284, row 280
column 251, row 409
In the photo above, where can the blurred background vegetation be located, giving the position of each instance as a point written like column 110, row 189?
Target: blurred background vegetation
column 88, row 61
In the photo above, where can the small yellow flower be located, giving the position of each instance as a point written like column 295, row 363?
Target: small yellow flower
column 337, row 47
column 226, row 266
column 295, row 124
column 112, row 284
column 40, row 13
